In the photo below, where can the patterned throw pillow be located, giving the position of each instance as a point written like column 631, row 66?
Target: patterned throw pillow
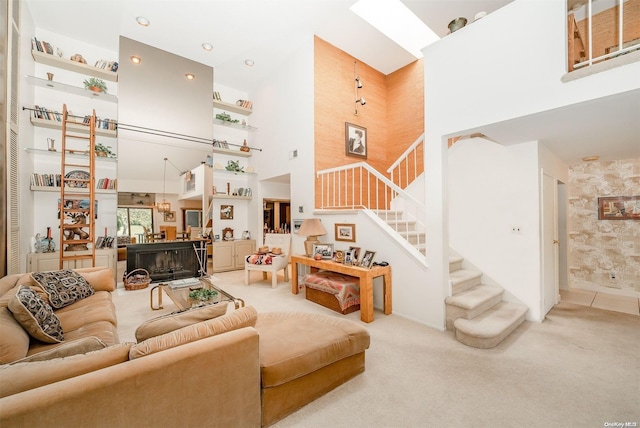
column 64, row 287
column 36, row 316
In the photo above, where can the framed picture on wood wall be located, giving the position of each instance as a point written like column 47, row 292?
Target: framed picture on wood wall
column 355, row 140
column 345, row 232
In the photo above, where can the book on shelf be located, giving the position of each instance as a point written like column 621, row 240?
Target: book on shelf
column 107, row 183
column 244, row 103
column 216, row 96
column 47, row 114
column 46, row 180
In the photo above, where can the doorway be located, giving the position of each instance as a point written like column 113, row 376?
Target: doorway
column 554, row 245
column 276, row 215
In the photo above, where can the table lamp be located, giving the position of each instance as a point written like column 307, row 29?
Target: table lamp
column 312, row 228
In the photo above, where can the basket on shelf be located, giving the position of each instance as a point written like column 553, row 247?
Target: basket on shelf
column 137, row 279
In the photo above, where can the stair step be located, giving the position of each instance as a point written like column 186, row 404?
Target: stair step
column 472, row 302
column 492, row 327
column 401, row 226
column 455, row 263
column 388, row 215
column 464, row 279
column 414, row 238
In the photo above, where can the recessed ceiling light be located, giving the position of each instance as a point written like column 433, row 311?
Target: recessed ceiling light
column 144, row 22
column 135, row 59
column 207, row 46
column 249, row 62
column 190, row 76
column 591, row 158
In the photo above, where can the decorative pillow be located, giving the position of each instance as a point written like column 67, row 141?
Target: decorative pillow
column 64, row 287
column 243, row 317
column 36, row 316
column 66, row 349
column 14, row 340
column 175, row 320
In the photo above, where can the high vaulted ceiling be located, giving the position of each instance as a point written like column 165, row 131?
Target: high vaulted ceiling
column 261, row 30
column 268, row 31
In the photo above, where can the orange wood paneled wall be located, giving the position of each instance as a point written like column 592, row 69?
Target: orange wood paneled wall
column 605, row 27
column 393, row 114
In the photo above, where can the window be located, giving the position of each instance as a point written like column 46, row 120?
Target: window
column 135, row 222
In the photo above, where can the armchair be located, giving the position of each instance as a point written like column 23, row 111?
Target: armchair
column 281, row 240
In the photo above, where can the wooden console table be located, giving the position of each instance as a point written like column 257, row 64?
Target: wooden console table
column 366, row 281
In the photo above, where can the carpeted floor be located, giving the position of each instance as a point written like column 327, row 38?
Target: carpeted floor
column 579, row 368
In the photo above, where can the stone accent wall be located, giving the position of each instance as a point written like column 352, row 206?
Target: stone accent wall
column 598, row 248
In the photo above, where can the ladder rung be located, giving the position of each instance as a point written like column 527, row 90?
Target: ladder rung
column 74, row 226
column 76, row 241
column 77, row 165
column 78, row 137
column 82, row 257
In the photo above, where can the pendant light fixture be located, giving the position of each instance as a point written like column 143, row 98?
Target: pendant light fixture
column 164, row 206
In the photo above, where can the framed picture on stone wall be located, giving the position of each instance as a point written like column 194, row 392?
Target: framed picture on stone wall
column 619, row 208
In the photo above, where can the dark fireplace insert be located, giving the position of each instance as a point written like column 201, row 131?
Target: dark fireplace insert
column 169, row 260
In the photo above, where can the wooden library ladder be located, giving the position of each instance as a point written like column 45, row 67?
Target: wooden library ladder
column 77, row 220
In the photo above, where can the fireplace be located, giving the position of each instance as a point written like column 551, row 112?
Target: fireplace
column 169, row 260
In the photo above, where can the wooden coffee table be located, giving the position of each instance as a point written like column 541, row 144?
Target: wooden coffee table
column 180, row 295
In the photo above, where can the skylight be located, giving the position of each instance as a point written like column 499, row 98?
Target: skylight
column 397, row 22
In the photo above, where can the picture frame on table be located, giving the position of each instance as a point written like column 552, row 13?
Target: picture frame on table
column 367, row 259
column 355, row 140
column 325, row 250
column 345, row 232
column 355, row 253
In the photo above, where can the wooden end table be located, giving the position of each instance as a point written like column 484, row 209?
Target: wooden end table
column 364, row 274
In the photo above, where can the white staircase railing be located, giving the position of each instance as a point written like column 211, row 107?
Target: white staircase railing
column 409, row 164
column 360, row 186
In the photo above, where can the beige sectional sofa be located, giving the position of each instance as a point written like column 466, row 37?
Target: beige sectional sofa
column 240, row 369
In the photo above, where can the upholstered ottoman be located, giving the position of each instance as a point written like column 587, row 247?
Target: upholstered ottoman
column 332, row 290
column 304, row 356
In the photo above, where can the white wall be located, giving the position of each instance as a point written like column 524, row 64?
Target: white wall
column 506, row 65
column 493, row 188
column 287, row 125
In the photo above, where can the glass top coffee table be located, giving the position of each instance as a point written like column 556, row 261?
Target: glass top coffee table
column 178, row 292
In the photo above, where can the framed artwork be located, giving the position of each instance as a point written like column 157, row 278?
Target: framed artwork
column 338, row 256
column 296, row 225
column 619, row 208
column 355, row 140
column 345, row 232
column 355, row 251
column 325, row 250
column 226, row 212
column 170, row 216
column 367, row 259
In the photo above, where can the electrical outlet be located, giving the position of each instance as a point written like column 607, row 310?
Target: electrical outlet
column 293, row 154
column 516, row 229
column 612, row 275
column 300, row 209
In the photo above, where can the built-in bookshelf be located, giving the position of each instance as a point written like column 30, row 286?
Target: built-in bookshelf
column 231, row 152
column 75, row 127
column 75, row 66
column 239, row 109
column 70, row 89
column 51, row 183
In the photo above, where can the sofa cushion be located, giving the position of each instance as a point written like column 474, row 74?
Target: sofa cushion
column 14, row 340
column 66, row 349
column 243, row 317
column 25, row 376
column 98, row 307
column 175, row 320
column 36, row 316
column 64, row 287
column 100, row 278
column 295, row 344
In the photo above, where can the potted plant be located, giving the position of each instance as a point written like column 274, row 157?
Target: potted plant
column 104, row 151
column 95, row 84
column 202, row 295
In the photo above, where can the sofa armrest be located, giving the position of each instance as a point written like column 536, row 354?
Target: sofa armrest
column 210, row 382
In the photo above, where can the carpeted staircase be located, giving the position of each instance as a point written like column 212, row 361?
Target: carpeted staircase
column 476, row 311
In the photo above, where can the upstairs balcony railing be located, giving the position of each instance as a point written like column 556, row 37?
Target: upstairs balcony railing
column 597, row 35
